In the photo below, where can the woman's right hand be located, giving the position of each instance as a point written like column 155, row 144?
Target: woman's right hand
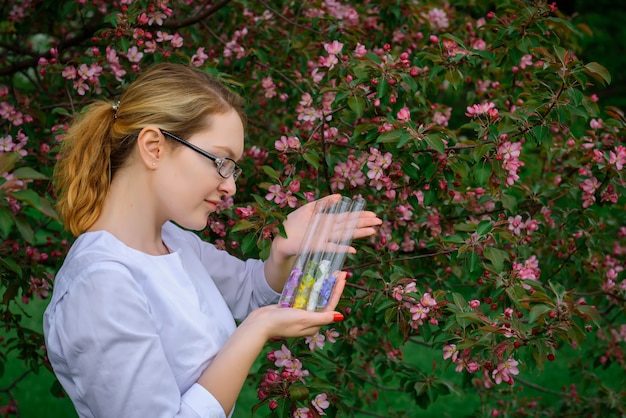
column 275, row 321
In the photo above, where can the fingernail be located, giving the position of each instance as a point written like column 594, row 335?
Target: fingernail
column 338, row 317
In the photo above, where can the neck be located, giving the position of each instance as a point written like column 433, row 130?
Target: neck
column 129, row 214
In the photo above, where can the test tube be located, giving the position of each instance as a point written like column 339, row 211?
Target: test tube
column 312, row 264
column 289, row 290
column 344, row 239
column 326, row 260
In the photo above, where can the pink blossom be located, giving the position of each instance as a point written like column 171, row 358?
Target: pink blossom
column 590, row 186
column 474, row 304
column 282, row 356
column 177, row 41
column 156, row 17
column 320, row 403
column 516, row 224
column 437, row 19
column 531, row 226
column 526, row 61
column 419, row 313
column 81, row 87
column 428, row 300
column 301, row 413
column 268, row 85
column 315, row 341
column 472, row 367
column 450, row 352
column 617, row 157
column 331, row 335
column 69, row 73
column 198, row 59
column 479, row 44
column 329, row 61
column 245, row 212
column 596, row 124
column 360, row 51
column 133, row 54
column 333, row 48
column 504, row 371
column 274, row 192
column 163, row 36
column 479, row 109
column 404, row 115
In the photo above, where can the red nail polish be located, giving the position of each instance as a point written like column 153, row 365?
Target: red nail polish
column 338, row 317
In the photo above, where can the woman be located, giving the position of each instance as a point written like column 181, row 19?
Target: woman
column 142, row 318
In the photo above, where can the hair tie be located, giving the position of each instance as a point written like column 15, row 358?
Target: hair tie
column 115, row 107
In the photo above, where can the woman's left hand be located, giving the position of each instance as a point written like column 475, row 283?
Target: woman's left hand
column 297, row 221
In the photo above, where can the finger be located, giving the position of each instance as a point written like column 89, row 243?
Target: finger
column 367, row 219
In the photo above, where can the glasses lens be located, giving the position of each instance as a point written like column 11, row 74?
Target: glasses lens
column 229, row 168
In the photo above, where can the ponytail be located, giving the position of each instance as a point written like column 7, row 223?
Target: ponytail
column 82, row 175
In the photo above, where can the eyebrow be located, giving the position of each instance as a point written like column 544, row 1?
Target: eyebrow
column 229, row 152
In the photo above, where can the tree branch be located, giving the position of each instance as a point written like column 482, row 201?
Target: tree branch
column 177, row 24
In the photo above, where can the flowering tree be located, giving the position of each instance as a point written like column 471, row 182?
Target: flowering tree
column 472, row 129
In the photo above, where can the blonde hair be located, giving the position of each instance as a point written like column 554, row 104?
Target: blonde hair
column 175, row 97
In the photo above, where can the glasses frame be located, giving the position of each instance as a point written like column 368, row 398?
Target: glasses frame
column 219, row 162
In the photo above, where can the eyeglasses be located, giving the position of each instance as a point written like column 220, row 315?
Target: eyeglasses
column 226, row 167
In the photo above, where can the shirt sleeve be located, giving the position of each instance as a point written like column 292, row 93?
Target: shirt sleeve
column 242, row 283
column 102, row 331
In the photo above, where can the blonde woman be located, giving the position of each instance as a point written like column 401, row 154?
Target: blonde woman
column 142, row 318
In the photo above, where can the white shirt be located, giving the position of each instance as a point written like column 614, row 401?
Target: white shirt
column 129, row 334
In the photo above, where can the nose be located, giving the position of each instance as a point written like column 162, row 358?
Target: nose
column 228, row 186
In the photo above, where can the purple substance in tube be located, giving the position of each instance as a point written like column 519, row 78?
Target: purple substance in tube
column 325, row 292
column 286, row 299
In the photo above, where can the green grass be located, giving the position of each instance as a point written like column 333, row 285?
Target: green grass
column 33, row 391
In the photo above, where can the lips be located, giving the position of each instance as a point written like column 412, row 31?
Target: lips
column 211, row 203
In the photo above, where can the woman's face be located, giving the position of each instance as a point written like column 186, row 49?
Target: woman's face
column 191, row 185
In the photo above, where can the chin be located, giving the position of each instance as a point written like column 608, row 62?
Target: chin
column 194, row 225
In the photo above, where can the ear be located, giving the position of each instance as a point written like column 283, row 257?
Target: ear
column 151, row 146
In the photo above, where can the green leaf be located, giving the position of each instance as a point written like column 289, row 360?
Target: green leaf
column 261, row 55
column 7, row 161
column 496, row 256
column 455, row 78
column 248, row 243
column 42, row 204
column 312, row 158
column 538, row 311
column 592, row 312
column 436, row 143
column 357, row 104
column 484, row 227
column 6, row 222
column 470, row 316
column 11, row 265
column 540, row 132
column 509, row 203
column 28, row 173
column 270, row 172
column 459, row 168
column 459, row 300
column 390, row 136
column 243, row 224
column 411, row 170
column 25, row 230
column 598, row 72
column 381, row 89
column 482, row 172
